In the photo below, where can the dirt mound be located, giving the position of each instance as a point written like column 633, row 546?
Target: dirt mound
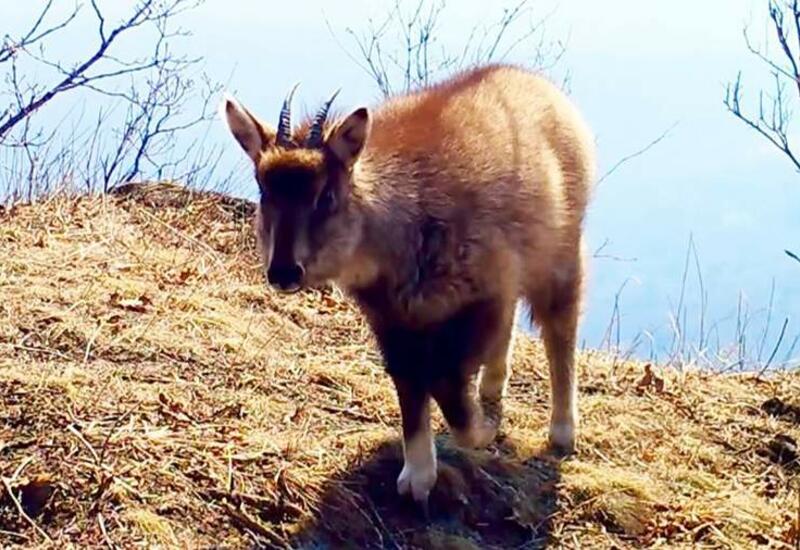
column 154, row 393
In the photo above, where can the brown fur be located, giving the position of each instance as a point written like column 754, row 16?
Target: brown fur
column 466, row 197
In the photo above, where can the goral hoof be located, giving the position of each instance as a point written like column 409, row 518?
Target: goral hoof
column 417, row 481
column 562, row 439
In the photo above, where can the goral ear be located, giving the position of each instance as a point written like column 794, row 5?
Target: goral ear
column 347, row 140
column 252, row 134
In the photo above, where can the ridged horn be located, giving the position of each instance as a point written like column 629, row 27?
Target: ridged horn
column 314, row 139
column 284, row 137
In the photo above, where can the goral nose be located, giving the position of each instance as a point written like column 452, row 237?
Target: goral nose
column 286, row 278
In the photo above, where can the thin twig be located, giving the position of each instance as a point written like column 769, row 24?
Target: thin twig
column 775, row 349
column 101, row 522
column 74, row 431
column 797, row 522
column 240, row 516
column 635, row 154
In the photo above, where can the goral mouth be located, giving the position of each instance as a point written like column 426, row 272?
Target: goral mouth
column 287, row 291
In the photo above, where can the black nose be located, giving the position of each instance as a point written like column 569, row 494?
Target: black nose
column 285, row 277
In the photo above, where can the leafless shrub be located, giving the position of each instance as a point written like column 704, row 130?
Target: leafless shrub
column 774, row 109
column 405, row 50
column 748, row 339
column 145, row 93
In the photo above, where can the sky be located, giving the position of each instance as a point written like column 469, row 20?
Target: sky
column 636, row 69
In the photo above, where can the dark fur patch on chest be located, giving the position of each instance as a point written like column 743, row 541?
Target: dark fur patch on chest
column 434, row 352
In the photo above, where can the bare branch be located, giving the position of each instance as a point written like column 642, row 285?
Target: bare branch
column 509, row 16
column 405, row 47
column 101, row 21
column 10, row 47
column 600, row 253
column 147, row 11
column 137, row 127
column 635, row 154
column 774, row 114
column 772, row 126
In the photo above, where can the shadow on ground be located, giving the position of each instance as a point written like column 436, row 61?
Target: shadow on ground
column 492, row 498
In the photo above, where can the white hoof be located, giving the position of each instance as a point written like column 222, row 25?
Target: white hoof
column 417, row 480
column 562, row 437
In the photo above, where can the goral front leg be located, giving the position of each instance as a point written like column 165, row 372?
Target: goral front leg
column 419, row 454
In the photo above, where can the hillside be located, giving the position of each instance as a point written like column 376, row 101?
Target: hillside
column 153, row 392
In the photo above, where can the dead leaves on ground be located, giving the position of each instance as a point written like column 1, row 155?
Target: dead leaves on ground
column 650, row 380
column 138, row 304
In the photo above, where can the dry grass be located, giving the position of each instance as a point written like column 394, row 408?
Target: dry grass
column 153, row 393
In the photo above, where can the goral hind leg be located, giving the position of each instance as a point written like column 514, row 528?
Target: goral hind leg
column 557, row 313
column 497, row 364
column 456, row 399
column 476, row 333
